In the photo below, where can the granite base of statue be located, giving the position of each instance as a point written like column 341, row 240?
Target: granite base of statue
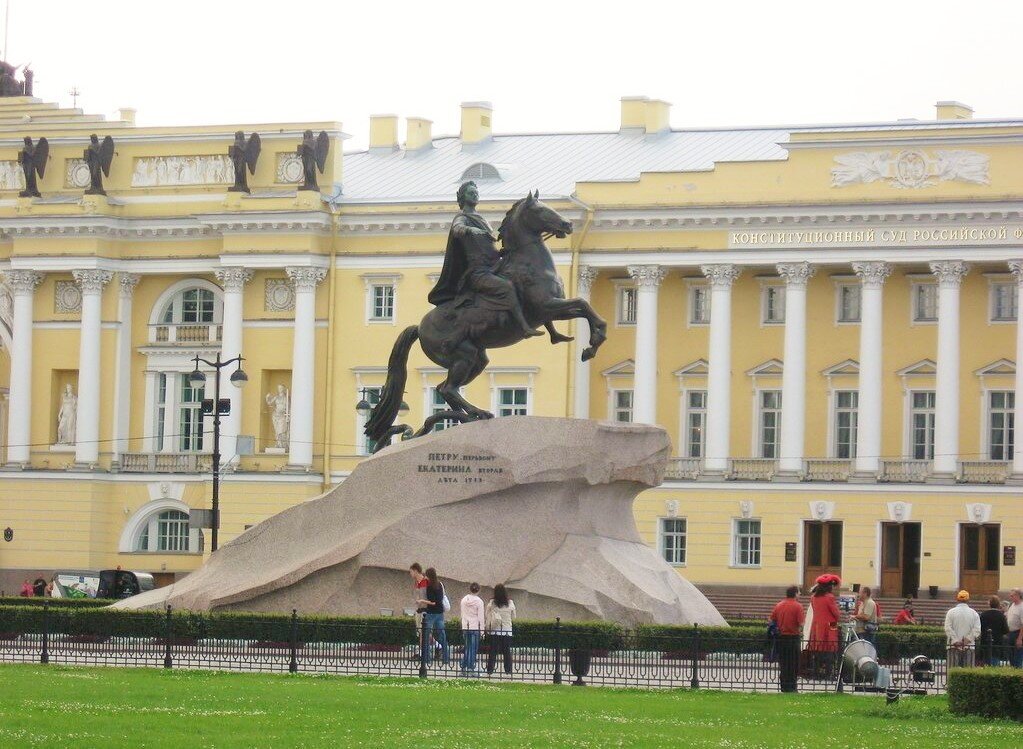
column 543, row 505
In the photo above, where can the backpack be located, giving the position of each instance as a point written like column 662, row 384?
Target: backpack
column 445, row 601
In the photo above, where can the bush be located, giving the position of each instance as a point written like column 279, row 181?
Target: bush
column 988, row 692
column 684, row 639
column 82, row 603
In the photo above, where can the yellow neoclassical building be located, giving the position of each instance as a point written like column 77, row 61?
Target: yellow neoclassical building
column 824, row 318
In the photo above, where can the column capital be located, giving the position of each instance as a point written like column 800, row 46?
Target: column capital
column 872, row 274
column 587, row 275
column 22, row 281
column 1016, row 269
column 649, row 276
column 306, row 278
column 950, row 273
column 128, row 282
column 721, row 275
column 233, row 279
column 796, row 274
column 92, row 280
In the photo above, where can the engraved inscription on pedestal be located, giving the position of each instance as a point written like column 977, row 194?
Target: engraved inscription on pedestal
column 461, row 468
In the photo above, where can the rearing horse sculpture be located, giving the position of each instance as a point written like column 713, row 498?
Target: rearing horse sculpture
column 457, row 334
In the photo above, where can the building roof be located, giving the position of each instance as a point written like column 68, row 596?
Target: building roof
column 555, row 163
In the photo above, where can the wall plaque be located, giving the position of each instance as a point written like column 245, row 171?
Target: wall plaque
column 1008, row 556
column 790, row 551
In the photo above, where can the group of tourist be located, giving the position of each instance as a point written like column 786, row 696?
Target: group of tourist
column 990, row 638
column 493, row 620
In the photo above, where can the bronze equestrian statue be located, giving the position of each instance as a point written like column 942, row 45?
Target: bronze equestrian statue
column 484, row 298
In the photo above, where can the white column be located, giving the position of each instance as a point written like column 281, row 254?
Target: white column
column 868, row 410
column 950, row 274
column 1016, row 267
column 233, row 280
column 644, row 383
column 303, row 360
column 587, row 276
column 793, row 379
column 91, row 282
column 719, row 366
column 122, row 371
column 19, row 426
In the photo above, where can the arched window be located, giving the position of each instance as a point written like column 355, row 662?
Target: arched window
column 161, row 528
column 189, row 311
column 191, row 306
column 481, row 171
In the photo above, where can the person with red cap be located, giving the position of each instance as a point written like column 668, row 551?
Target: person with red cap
column 823, row 616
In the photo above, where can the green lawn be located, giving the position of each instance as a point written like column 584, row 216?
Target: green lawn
column 108, row 707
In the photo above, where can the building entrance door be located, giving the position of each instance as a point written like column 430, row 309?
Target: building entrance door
column 979, row 546
column 900, row 559
column 822, row 550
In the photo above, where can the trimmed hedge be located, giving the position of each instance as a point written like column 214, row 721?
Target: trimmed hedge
column 988, row 692
column 81, row 603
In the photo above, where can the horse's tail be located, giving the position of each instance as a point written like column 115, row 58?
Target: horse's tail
column 386, row 410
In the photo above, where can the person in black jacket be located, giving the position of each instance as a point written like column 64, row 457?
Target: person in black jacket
column 433, row 618
column 993, row 629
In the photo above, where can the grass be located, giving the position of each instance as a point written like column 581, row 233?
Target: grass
column 110, row 707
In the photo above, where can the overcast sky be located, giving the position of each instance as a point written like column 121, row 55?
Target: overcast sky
column 546, row 66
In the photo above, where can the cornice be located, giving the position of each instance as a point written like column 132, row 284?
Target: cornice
column 422, row 222
column 865, row 214
column 276, row 222
column 908, row 141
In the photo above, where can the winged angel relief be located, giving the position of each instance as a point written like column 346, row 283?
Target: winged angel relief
column 910, row 169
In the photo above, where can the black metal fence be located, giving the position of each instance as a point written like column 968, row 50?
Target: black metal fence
column 690, row 657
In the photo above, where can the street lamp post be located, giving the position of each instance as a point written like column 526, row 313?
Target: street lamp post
column 365, row 408
column 217, row 408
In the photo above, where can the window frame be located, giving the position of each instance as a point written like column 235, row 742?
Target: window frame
column 613, row 408
column 909, row 426
column 697, row 288
column 1002, row 281
column 145, row 526
column 195, row 405
column 736, row 545
column 525, row 406
column 621, row 288
column 687, row 411
column 372, row 282
column 760, row 412
column 663, row 534
column 767, row 289
column 836, row 410
column 1010, row 416
column 841, row 286
column 916, row 286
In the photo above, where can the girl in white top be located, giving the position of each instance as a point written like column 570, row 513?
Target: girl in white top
column 500, row 612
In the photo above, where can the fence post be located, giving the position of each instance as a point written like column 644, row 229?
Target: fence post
column 694, row 681
column 422, row 648
column 168, row 636
column 293, row 665
column 557, row 650
column 44, row 657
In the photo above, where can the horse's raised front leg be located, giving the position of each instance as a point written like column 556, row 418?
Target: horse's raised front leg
column 468, row 362
column 567, row 309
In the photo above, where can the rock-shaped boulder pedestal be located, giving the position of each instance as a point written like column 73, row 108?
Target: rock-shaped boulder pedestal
column 543, row 505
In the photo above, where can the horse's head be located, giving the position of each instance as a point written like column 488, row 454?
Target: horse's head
column 535, row 217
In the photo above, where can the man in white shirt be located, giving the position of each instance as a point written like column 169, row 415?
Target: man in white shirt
column 962, row 627
column 1014, row 616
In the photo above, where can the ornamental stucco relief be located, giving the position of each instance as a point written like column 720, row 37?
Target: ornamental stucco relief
column 279, row 295
column 76, row 173
column 910, row 169
column 11, row 176
column 67, row 297
column 289, row 168
column 164, row 171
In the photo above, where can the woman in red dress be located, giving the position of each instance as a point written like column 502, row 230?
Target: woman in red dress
column 823, row 644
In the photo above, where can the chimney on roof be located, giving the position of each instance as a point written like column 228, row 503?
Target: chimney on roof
column 383, row 131
column 418, row 133
column 641, row 114
column 127, row 114
column 953, row 110
column 476, row 121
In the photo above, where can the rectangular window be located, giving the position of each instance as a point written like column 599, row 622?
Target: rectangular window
column 925, row 302
column 383, row 302
column 849, row 302
column 172, row 531
column 673, row 540
column 747, row 543
column 773, row 304
column 922, row 424
column 770, row 423
column 699, row 304
column 627, row 305
column 1001, row 424
column 161, row 409
column 190, row 436
column 372, row 396
column 438, row 404
column 512, row 402
column 1003, row 302
column 622, row 402
column 846, row 402
column 197, row 306
column 696, row 423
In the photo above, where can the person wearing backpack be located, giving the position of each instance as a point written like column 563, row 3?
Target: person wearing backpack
column 436, row 603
